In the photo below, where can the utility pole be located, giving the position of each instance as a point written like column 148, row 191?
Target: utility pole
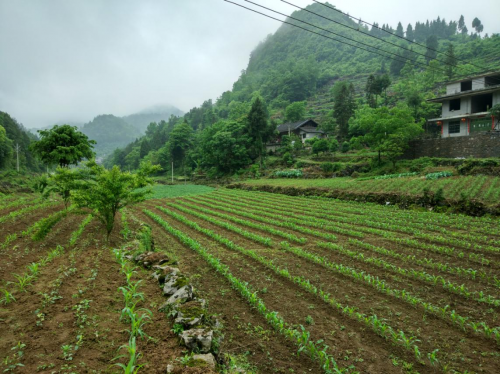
column 17, row 148
column 172, row 172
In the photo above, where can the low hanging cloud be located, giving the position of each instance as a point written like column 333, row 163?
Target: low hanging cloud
column 70, row 60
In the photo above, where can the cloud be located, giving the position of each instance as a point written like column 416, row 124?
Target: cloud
column 70, row 60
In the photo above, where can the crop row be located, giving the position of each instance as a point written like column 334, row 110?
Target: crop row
column 300, row 337
column 414, row 274
column 430, row 263
column 379, row 327
column 279, row 223
column 488, row 226
column 259, row 215
column 247, row 223
column 20, row 212
column 385, row 222
column 223, row 224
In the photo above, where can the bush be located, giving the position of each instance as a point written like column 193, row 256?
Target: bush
column 320, row 146
column 327, row 167
column 345, row 147
column 288, row 159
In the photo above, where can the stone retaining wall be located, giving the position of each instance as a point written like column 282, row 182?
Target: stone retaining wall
column 480, row 145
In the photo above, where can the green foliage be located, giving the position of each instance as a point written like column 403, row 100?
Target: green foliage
column 224, row 147
column 333, row 145
column 109, row 132
column 320, row 145
column 385, row 129
column 63, row 145
column 62, row 182
column 294, row 173
column 327, row 167
column 344, row 106
column 258, row 128
column 295, row 111
column 107, row 191
column 288, row 158
column 438, row 175
column 346, row 146
column 6, row 150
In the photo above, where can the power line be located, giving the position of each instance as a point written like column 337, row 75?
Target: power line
column 331, row 32
column 358, row 30
column 340, row 41
column 390, row 33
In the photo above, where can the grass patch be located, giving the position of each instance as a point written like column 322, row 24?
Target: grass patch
column 164, row 191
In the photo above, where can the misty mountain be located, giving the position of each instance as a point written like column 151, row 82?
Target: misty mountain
column 110, row 132
column 156, row 113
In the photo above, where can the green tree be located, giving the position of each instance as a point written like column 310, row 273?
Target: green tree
column 344, row 106
column 432, row 45
column 5, row 148
column 451, row 61
column 224, row 147
column 63, row 145
column 346, row 146
column 394, row 146
column 333, row 145
column 477, row 25
column 107, row 191
column 258, row 128
column 320, row 145
column 399, row 29
column 179, row 142
column 378, row 124
column 461, row 23
column 63, row 183
column 409, row 32
column 295, row 111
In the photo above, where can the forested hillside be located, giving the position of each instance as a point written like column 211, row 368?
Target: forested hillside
column 109, row 132
column 157, row 113
column 13, row 134
column 292, row 73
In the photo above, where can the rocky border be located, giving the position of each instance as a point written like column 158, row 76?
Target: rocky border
column 197, row 330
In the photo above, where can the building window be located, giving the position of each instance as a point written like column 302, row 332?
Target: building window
column 466, row 86
column 304, row 136
column 454, row 127
column 454, row 104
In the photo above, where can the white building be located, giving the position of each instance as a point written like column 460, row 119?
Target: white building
column 466, row 103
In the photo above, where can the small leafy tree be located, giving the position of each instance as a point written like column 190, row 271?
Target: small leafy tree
column 394, row 146
column 333, row 145
column 63, row 145
column 320, row 146
column 345, row 147
column 295, row 111
column 62, row 182
column 107, row 191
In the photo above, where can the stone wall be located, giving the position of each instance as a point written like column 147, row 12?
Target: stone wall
column 480, row 145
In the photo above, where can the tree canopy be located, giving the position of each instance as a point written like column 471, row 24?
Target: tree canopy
column 63, row 145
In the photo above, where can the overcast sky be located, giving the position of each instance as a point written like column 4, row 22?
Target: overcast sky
column 70, row 60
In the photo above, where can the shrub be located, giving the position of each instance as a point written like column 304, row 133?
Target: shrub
column 320, row 146
column 327, row 167
column 345, row 147
column 288, row 159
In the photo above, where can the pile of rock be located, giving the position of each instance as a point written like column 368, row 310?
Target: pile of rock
column 195, row 328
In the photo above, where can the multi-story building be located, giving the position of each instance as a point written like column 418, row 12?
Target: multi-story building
column 466, row 103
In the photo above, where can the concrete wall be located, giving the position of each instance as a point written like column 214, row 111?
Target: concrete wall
column 463, row 129
column 478, row 83
column 465, row 108
column 496, row 98
column 477, row 145
column 453, row 88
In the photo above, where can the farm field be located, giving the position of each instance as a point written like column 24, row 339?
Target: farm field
column 300, row 285
column 483, row 188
